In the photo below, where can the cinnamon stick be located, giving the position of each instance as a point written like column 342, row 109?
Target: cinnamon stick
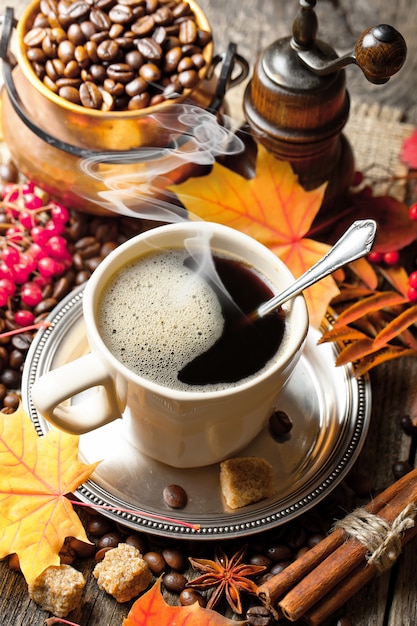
column 347, row 588
column 275, row 588
column 341, row 562
column 318, row 571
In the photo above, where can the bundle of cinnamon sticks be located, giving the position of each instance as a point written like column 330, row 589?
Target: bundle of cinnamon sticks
column 320, row 581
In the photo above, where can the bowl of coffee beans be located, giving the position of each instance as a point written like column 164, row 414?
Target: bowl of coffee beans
column 99, row 76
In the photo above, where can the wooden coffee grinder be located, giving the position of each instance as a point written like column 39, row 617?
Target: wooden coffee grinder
column 296, row 103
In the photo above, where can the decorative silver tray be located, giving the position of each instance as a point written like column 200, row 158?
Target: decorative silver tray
column 329, row 408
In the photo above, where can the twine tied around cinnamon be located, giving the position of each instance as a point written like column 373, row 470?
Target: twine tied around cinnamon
column 381, row 539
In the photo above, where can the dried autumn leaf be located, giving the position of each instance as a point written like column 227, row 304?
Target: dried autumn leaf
column 384, row 355
column 396, row 327
column 152, row 610
column 35, row 474
column 395, row 229
column 271, row 207
column 367, row 305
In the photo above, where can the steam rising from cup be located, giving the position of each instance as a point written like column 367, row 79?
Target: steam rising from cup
column 197, row 137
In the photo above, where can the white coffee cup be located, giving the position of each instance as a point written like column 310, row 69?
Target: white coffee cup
column 180, row 428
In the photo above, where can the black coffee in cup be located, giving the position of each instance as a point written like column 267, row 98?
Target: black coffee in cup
column 169, row 320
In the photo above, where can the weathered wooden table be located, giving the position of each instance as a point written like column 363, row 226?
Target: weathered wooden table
column 390, row 600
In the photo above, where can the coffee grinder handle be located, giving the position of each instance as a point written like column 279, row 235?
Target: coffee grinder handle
column 88, row 373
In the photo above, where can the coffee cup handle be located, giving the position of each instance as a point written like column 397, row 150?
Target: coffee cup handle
column 50, row 390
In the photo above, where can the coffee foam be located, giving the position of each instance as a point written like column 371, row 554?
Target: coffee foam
column 156, row 315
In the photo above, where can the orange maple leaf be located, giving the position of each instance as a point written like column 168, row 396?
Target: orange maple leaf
column 273, row 208
column 35, row 474
column 152, row 610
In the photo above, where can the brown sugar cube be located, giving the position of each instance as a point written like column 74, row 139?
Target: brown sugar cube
column 58, row 589
column 123, row 573
column 246, row 480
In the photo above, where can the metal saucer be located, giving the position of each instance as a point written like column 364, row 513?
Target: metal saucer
column 329, row 407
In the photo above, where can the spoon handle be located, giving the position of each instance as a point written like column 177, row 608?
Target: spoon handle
column 354, row 244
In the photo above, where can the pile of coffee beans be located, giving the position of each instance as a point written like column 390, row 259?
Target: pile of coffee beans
column 116, row 54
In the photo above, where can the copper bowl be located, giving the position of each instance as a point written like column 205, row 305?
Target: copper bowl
column 90, row 131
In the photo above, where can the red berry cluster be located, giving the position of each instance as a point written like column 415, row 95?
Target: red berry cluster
column 32, row 248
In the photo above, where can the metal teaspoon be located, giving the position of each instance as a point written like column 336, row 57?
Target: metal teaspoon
column 354, row 244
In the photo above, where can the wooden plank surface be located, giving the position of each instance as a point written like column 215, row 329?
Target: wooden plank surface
column 390, row 600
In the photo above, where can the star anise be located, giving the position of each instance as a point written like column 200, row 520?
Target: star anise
column 228, row 576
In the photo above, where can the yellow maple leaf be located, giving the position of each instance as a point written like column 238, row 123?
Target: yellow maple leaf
column 36, row 473
column 273, row 208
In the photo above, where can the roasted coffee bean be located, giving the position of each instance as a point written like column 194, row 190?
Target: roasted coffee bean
column 400, row 469
column 175, row 559
column 138, row 541
column 121, row 14
column 258, row 616
column 22, row 342
column 278, row 567
column 66, row 51
column 109, row 540
column 156, row 562
column 172, row 58
column 180, row 10
column 91, row 50
column 100, row 19
column 90, row 95
column 188, row 79
column 11, row 401
column 36, row 55
column 175, row 496
column 72, row 69
column 150, row 72
column 174, row 581
column 82, row 549
column 10, row 378
column 76, row 35
column 260, row 559
column 134, row 59
column 279, row 552
column 16, row 359
column 185, row 64
column 98, row 526
column 114, row 88
column 136, row 86
column 163, row 16
column 150, row 49
column 82, row 277
column 76, row 10
column 108, row 50
column 143, row 26
column 34, row 37
column 314, row 539
column 70, row 93
column 188, row 32
column 280, row 424
column 141, row 101
column 120, row 72
column 54, row 68
column 48, row 6
column 189, row 596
